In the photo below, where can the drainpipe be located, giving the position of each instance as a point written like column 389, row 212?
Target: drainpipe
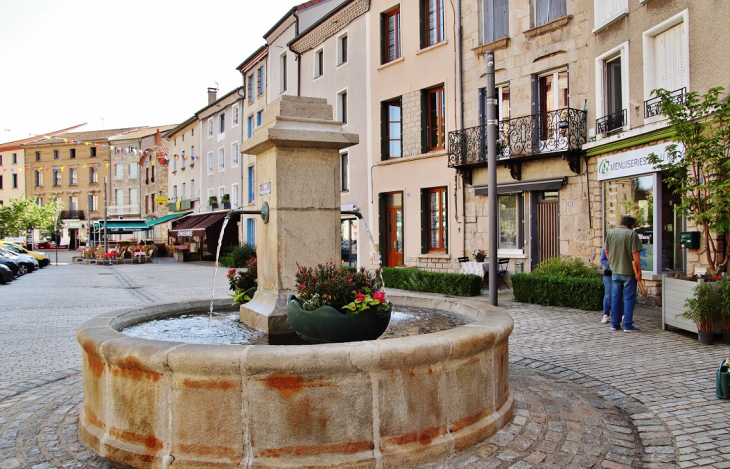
column 297, row 60
column 242, row 95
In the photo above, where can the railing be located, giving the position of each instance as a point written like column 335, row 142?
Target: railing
column 652, row 106
column 610, row 123
column 73, row 215
column 123, row 209
column 185, row 204
column 562, row 130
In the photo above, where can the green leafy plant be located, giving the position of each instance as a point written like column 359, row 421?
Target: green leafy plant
column 703, row 308
column 226, row 199
column 432, row 282
column 479, row 255
column 347, row 291
column 723, row 296
column 559, row 290
column 243, row 279
column 212, row 200
column 566, row 266
column 240, row 297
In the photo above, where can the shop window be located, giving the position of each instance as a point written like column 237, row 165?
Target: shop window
column 511, row 221
column 434, row 220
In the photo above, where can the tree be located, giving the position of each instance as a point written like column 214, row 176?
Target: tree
column 698, row 167
column 24, row 214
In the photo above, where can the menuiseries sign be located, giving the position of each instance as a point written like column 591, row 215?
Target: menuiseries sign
column 632, row 163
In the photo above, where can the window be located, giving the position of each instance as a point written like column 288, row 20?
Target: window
column 234, row 118
column 73, row 203
column 183, row 194
column 55, row 154
column 147, row 176
column 611, row 90
column 251, row 232
column 192, row 132
column 502, row 103
column 182, row 160
column 222, row 123
column 192, row 188
column 262, row 82
column 118, row 196
column 234, row 196
column 511, row 222
column 93, row 175
column 15, row 158
column 344, row 168
column 38, row 201
column 259, row 117
column 342, row 49
column 192, row 155
column 495, row 14
column 174, row 192
column 56, row 177
column 72, row 153
column 282, row 73
column 434, row 232
column 432, row 24
column 250, row 126
column 552, row 95
column 133, row 170
column 210, row 162
column 605, row 11
column 15, row 181
column 234, row 155
column 221, row 159
column 392, row 146
column 319, row 63
column 1, row 159
column 342, row 107
column 146, row 204
column 38, row 178
column 37, row 156
column 666, row 58
column 134, row 197
column 251, row 184
column 221, row 193
column 250, row 87
column 434, row 120
column 118, row 171
column 548, row 10
column 152, row 179
column 210, row 127
column 73, row 176
column 1, row 182
column 92, row 152
column 390, row 29
column 93, row 203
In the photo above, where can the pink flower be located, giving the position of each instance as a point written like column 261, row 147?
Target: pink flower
column 231, row 273
column 360, row 297
column 349, row 280
column 380, row 296
column 304, row 287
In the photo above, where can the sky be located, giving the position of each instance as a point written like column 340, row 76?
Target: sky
column 121, row 64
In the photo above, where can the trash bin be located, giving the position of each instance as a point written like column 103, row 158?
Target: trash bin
column 519, row 267
column 723, row 380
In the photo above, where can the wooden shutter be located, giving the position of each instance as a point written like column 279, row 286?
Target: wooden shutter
column 446, row 218
column 384, row 143
column 424, row 122
column 557, row 9
column 423, row 22
column 424, row 221
column 489, row 35
column 501, row 19
column 383, row 39
column 541, row 12
column 382, row 229
column 669, row 59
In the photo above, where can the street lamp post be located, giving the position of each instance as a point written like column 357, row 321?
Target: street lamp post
column 105, row 218
column 493, row 199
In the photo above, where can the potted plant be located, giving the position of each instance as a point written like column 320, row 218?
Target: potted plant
column 213, row 201
column 243, row 283
column 702, row 309
column 338, row 305
column 226, row 201
column 479, row 255
column 723, row 296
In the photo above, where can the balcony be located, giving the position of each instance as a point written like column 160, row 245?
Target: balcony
column 185, row 204
column 651, row 106
column 73, row 215
column 115, row 210
column 554, row 133
column 611, row 123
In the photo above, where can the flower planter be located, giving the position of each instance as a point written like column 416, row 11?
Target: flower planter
column 675, row 292
column 326, row 324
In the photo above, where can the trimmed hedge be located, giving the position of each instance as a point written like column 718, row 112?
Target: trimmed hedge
column 432, row 282
column 552, row 290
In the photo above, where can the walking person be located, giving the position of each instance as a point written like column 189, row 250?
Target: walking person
column 606, row 288
column 622, row 248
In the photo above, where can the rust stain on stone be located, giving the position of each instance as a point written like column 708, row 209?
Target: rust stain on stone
column 430, row 369
column 412, row 371
column 350, row 447
column 93, row 418
column 468, row 421
column 133, row 368
column 95, row 365
column 215, row 451
column 207, row 384
column 424, row 437
column 289, row 386
column 150, row 442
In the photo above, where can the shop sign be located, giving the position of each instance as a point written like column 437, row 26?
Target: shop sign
column 631, row 163
column 73, row 225
column 185, row 233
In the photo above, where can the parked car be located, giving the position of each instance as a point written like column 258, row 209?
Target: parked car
column 6, row 275
column 43, row 259
column 26, row 263
column 18, row 240
column 15, row 268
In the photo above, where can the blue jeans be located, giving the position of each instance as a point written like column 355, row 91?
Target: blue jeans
column 623, row 296
column 607, row 295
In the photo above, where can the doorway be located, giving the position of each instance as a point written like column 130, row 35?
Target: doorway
column 391, row 228
column 73, row 236
column 548, row 226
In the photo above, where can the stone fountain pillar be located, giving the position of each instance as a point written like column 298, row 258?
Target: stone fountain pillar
column 297, row 190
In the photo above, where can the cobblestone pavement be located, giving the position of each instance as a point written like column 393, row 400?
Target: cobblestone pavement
column 584, row 396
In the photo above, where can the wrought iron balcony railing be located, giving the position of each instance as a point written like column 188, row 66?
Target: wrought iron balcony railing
column 651, row 106
column 73, row 215
column 611, row 123
column 563, row 130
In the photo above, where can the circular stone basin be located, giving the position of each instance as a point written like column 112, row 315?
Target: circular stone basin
column 395, row 402
column 225, row 327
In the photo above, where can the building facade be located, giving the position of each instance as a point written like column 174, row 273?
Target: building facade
column 184, row 167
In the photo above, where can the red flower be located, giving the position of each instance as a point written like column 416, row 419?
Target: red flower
column 360, row 297
column 231, row 273
column 380, row 296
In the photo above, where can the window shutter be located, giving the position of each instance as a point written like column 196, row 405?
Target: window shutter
column 423, row 20
column 446, row 219
column 384, row 149
column 557, row 10
column 424, row 221
column 678, row 56
column 382, row 229
column 501, row 19
column 89, row 203
column 383, row 39
column 541, row 12
column 489, row 35
column 424, row 122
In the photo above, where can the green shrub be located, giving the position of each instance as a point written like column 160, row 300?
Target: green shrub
column 238, row 256
column 227, row 261
column 553, row 290
column 566, row 266
column 432, row 282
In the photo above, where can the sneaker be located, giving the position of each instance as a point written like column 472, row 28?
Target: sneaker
column 606, row 319
column 631, row 329
column 615, row 328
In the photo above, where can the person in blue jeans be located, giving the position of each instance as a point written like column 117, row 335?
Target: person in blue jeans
column 622, row 247
column 606, row 288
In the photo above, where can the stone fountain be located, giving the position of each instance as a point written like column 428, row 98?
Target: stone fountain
column 387, row 403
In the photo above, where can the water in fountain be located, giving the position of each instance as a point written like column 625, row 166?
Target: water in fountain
column 215, row 272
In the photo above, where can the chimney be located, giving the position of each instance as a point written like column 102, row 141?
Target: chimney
column 158, row 138
column 212, row 92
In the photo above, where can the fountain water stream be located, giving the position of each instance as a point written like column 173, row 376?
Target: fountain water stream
column 217, row 258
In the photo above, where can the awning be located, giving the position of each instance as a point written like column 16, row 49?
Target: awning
column 523, row 186
column 166, row 218
column 197, row 224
